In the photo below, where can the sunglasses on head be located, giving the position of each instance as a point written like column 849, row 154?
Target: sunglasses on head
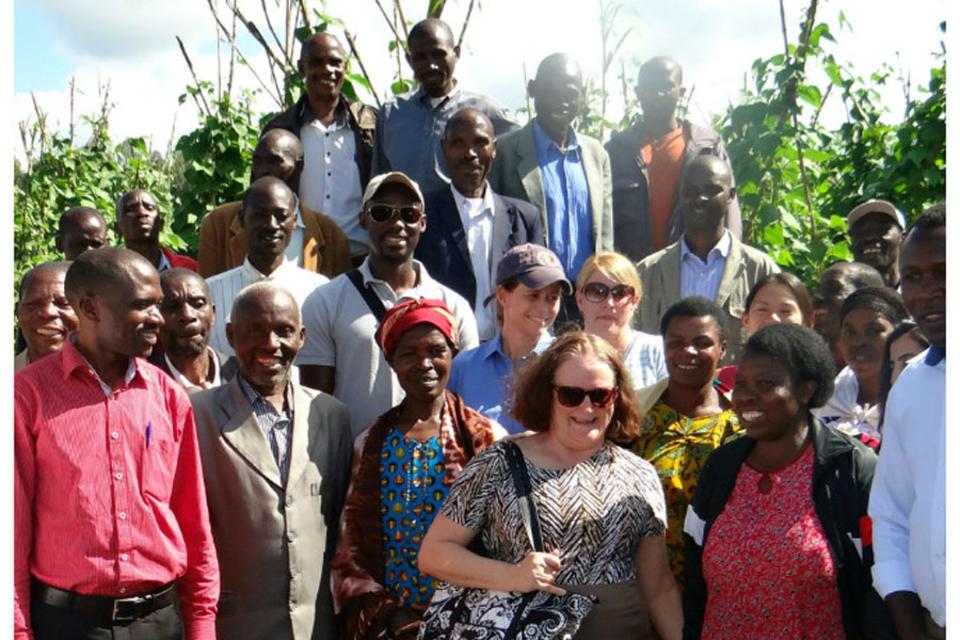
column 383, row 212
column 573, row 396
column 598, row 292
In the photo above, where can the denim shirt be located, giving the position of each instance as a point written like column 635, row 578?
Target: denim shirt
column 565, row 191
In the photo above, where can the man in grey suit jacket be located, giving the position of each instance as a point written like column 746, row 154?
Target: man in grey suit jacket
column 708, row 260
column 276, row 463
column 469, row 227
column 564, row 173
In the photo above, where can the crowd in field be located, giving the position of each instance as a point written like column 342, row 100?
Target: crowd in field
column 437, row 375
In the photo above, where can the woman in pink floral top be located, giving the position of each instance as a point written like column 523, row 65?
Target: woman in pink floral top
column 778, row 542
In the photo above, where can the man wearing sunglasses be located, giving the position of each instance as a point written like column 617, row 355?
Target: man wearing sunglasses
column 340, row 355
column 471, row 227
column 708, row 260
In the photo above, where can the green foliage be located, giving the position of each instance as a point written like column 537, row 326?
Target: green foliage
column 215, row 161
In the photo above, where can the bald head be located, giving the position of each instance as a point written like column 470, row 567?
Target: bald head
column 105, row 269
column 252, row 300
column 433, row 29
column 559, row 65
column 279, row 154
column 557, row 92
column 659, row 89
column 708, row 165
column 80, row 229
column 320, row 42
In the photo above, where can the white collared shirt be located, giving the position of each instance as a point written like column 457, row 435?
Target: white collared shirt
column 699, row 278
column 330, row 182
column 164, row 263
column 295, row 248
column 184, row 381
column 476, row 215
column 225, row 286
column 908, row 498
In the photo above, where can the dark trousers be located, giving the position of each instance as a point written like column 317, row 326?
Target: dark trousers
column 53, row 623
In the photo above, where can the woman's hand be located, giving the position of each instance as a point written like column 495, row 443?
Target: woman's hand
column 537, row 572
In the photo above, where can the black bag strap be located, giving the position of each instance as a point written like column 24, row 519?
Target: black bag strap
column 375, row 304
column 521, row 483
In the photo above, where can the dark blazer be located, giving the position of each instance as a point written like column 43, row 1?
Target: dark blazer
column 443, row 246
column 274, row 541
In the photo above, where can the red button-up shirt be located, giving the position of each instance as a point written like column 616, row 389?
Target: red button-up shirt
column 108, row 489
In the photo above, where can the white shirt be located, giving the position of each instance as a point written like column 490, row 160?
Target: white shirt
column 843, row 413
column 476, row 215
column 184, row 381
column 908, row 498
column 225, row 286
column 699, row 278
column 294, row 250
column 330, row 182
column 645, row 360
column 340, row 328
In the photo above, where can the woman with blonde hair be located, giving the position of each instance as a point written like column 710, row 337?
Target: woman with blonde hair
column 608, row 293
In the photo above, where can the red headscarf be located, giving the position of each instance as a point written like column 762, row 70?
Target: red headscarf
column 402, row 317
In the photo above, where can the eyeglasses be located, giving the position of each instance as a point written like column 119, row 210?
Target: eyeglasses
column 573, row 396
column 598, row 292
column 386, row 212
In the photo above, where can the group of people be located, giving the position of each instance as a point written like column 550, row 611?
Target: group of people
column 307, row 431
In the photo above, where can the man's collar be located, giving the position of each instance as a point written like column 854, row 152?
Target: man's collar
column 465, row 203
column 544, row 141
column 368, row 277
column 164, row 261
column 72, row 360
column 935, row 355
column 253, row 274
column 722, row 247
column 252, row 395
column 184, row 381
column 305, row 113
column 424, row 98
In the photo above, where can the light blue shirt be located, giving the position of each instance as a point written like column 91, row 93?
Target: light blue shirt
column 908, row 497
column 644, row 359
column 565, row 191
column 483, row 377
column 699, row 278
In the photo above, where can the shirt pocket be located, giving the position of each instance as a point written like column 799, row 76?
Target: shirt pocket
column 158, row 468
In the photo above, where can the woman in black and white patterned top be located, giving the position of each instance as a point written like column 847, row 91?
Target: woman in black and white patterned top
column 601, row 508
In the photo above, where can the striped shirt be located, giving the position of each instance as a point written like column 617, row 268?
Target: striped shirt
column 699, row 278
column 276, row 425
column 225, row 286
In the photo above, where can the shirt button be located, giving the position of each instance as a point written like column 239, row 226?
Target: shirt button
column 124, row 557
column 291, row 535
column 289, row 500
column 118, row 476
column 123, row 590
column 328, row 173
column 115, row 435
column 123, row 515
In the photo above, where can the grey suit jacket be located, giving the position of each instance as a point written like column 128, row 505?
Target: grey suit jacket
column 516, row 173
column 660, row 279
column 274, row 542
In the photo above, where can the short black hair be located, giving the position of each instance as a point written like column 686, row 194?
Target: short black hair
column 801, row 351
column 98, row 269
column 71, row 218
column 791, row 282
column 906, row 327
column 54, row 268
column 179, row 272
column 882, row 300
column 932, row 217
column 695, row 307
column 429, row 28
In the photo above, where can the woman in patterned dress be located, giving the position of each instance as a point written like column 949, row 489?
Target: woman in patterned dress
column 403, row 466
column 600, row 507
column 686, row 415
column 608, row 294
column 778, row 542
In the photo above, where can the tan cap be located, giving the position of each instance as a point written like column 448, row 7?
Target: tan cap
column 875, row 206
column 394, row 177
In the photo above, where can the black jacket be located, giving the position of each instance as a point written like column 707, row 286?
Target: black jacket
column 361, row 117
column 842, row 474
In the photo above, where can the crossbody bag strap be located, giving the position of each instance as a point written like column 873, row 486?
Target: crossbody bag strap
column 375, row 304
column 521, row 484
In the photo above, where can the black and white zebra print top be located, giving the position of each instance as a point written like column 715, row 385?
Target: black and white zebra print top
column 595, row 512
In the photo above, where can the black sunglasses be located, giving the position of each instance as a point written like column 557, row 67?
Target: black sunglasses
column 573, row 396
column 384, row 212
column 598, row 292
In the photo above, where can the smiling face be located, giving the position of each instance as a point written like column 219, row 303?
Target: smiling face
column 610, row 314
column 269, row 215
column 705, row 193
column 468, row 150
column 393, row 240
column 773, row 304
column 768, row 403
column 421, row 359
column 923, row 281
column 557, row 94
column 582, row 428
column 863, row 334
column 129, row 313
column 322, row 65
column 693, row 348
column 44, row 314
column 901, row 351
column 526, row 311
column 139, row 218
column 266, row 334
column 433, row 58
column 875, row 240
column 187, row 316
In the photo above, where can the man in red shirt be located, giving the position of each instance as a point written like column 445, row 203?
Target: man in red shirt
column 110, row 518
column 139, row 223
